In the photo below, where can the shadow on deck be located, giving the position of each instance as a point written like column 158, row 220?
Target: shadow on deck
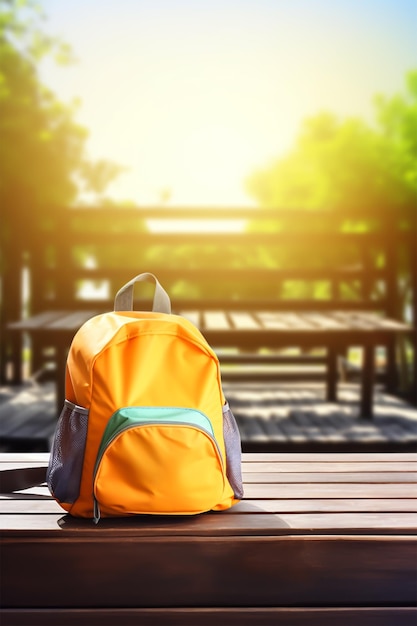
column 275, row 418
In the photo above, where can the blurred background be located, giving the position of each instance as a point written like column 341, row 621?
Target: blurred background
column 303, row 103
column 306, row 107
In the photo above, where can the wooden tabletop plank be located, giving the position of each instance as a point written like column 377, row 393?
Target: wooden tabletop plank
column 327, row 457
column 355, row 319
column 36, row 505
column 8, row 465
column 71, row 321
column 54, row 320
column 243, row 320
column 272, row 321
column 279, row 491
column 310, row 492
column 364, row 523
column 193, row 316
column 306, row 322
column 215, row 320
column 323, row 321
column 40, row 320
column 376, row 321
column 216, row 524
column 43, row 503
column 333, row 467
column 285, row 467
column 330, row 477
column 28, row 458
column 263, row 457
column 329, row 490
column 331, row 505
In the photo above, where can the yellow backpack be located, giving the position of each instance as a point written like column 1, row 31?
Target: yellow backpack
column 145, row 427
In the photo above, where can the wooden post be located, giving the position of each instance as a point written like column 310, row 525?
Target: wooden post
column 413, row 271
column 331, row 379
column 11, row 344
column 368, row 380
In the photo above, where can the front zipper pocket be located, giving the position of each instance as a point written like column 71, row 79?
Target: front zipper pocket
column 157, row 460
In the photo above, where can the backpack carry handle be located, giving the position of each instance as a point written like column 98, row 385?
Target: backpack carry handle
column 124, row 297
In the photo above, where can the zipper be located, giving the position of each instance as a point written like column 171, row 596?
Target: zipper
column 96, row 512
column 138, row 423
column 120, row 431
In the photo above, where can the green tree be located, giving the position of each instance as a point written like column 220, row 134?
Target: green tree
column 43, row 162
column 363, row 176
column 42, row 158
column 347, row 165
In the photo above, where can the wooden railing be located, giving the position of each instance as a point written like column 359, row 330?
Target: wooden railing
column 279, row 261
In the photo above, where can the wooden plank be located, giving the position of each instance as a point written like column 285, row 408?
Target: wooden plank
column 263, row 457
column 249, row 468
column 42, row 503
column 329, row 490
column 160, row 572
column 330, row 477
column 336, row 505
column 255, row 523
column 313, row 491
column 243, row 320
column 60, row 320
column 333, row 467
column 72, row 320
column 215, row 320
column 193, row 316
column 23, row 457
column 361, row 524
column 213, row 616
column 10, row 465
column 272, row 320
column 328, row 457
column 356, row 319
column 39, row 320
column 323, row 321
column 377, row 321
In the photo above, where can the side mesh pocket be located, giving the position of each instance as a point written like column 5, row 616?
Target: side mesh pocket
column 233, row 452
column 67, row 454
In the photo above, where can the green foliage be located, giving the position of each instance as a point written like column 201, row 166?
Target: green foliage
column 397, row 118
column 42, row 157
column 363, row 177
column 345, row 165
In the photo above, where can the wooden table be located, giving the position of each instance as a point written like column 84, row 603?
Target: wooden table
column 320, row 539
column 251, row 331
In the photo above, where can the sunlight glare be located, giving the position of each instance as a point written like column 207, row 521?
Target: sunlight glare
column 196, row 226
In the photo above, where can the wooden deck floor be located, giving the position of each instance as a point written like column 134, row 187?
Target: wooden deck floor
column 271, row 417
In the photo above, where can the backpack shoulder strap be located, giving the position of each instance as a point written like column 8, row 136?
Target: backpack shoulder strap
column 22, row 478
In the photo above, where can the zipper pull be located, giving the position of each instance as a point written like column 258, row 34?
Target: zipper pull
column 96, row 517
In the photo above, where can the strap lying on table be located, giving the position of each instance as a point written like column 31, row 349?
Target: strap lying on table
column 22, row 478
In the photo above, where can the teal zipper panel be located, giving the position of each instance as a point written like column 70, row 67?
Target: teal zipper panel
column 133, row 416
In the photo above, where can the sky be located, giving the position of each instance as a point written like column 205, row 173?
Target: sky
column 192, row 96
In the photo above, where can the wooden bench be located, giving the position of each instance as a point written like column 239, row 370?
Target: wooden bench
column 319, row 539
column 288, row 280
